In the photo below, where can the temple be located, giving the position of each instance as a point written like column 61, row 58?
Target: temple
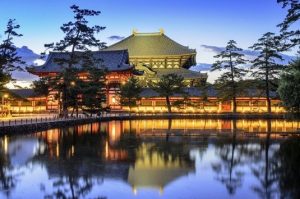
column 149, row 56
column 116, row 63
column 155, row 55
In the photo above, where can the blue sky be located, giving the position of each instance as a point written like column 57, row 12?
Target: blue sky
column 190, row 22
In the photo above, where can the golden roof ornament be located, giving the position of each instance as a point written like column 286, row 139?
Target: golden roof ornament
column 134, row 31
column 161, row 31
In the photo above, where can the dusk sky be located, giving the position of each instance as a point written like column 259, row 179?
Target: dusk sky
column 193, row 23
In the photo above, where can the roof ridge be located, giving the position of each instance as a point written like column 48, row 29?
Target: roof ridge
column 148, row 34
column 187, row 47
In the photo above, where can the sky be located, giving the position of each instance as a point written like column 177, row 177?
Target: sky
column 194, row 23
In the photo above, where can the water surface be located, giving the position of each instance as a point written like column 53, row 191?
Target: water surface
column 155, row 159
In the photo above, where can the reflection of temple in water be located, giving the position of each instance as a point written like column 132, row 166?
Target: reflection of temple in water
column 156, row 169
column 141, row 126
column 118, row 150
column 98, row 151
column 149, row 168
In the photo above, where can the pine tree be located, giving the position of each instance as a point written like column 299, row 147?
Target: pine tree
column 292, row 17
column 168, row 86
column 92, row 89
column 79, row 36
column 9, row 60
column 289, row 87
column 265, row 66
column 130, row 93
column 231, row 61
column 41, row 86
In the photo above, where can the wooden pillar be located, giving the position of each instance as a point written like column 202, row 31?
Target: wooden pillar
column 180, row 61
column 166, row 62
column 220, row 107
column 19, row 106
column 153, row 105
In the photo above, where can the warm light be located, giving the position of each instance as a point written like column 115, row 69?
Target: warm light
column 72, row 150
column 57, row 150
column 113, row 100
column 73, row 83
column 134, row 191
column 5, row 96
column 5, row 144
column 106, row 149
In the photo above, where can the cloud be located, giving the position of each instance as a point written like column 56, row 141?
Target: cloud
column 115, row 37
column 201, row 67
column 249, row 54
column 214, row 49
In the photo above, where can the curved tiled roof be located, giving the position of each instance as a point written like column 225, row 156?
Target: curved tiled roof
column 185, row 73
column 210, row 92
column 151, row 44
column 117, row 60
column 23, row 93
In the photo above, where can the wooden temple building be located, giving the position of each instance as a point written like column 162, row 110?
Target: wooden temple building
column 116, row 63
column 156, row 55
column 149, row 56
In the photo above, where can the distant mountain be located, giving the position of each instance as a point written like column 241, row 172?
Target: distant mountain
column 27, row 55
column 23, row 78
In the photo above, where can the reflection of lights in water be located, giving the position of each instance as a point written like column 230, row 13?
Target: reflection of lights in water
column 113, row 131
column 41, row 147
column 113, row 99
column 134, row 190
column 57, row 150
column 72, row 150
column 147, row 126
column 106, row 149
column 5, row 144
column 161, row 190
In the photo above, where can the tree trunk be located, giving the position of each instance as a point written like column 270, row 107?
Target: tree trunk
column 233, row 84
column 64, row 103
column 72, row 112
column 234, row 104
column 267, row 167
column 232, row 155
column 268, row 91
column 169, row 129
column 168, row 104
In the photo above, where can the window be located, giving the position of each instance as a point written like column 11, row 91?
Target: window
column 146, row 103
column 161, row 103
column 259, row 103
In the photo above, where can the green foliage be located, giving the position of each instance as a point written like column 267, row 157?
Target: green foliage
column 92, row 90
column 289, row 87
column 78, row 36
column 292, row 17
column 231, row 61
column 130, row 93
column 9, row 60
column 41, row 86
column 265, row 66
column 168, row 86
column 287, row 167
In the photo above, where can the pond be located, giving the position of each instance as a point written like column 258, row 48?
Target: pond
column 180, row 159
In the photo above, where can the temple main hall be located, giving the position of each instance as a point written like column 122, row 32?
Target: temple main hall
column 149, row 56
